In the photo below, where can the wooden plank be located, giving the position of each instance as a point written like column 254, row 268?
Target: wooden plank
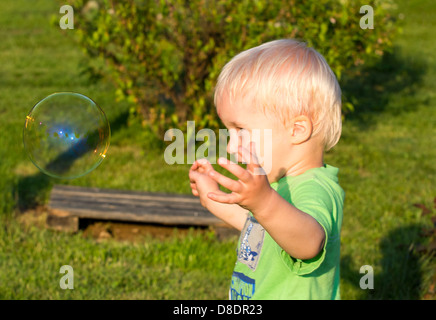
column 133, row 206
column 62, row 221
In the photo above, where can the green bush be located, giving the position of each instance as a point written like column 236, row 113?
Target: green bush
column 165, row 55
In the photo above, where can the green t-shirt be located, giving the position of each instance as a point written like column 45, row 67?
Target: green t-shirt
column 263, row 270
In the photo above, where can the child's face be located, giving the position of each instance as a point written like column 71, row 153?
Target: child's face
column 270, row 136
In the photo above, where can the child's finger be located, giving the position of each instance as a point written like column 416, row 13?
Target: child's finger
column 193, row 175
column 205, row 164
column 253, row 163
column 230, row 184
column 194, row 191
column 234, row 168
column 253, row 152
column 243, row 155
column 220, row 196
column 250, row 157
column 194, row 166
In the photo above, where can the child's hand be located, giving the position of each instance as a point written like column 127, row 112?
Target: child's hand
column 201, row 183
column 251, row 191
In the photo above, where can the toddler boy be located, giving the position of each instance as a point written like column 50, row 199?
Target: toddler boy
column 290, row 217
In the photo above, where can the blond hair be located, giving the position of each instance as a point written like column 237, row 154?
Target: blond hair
column 285, row 78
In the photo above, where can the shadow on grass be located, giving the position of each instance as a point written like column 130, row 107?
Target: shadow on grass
column 399, row 273
column 374, row 90
column 33, row 190
column 391, row 87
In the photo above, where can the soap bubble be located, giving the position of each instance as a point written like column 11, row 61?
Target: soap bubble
column 66, row 135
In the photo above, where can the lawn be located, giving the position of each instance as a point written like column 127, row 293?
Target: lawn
column 386, row 160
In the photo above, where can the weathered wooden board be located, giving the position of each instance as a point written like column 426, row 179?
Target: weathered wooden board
column 128, row 206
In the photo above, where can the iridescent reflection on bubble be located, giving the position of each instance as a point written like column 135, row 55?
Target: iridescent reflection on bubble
column 66, row 135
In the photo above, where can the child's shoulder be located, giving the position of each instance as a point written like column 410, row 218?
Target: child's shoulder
column 313, row 182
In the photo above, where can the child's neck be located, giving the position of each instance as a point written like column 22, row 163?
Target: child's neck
column 304, row 157
column 302, row 167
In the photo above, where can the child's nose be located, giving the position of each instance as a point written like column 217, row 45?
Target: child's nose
column 232, row 146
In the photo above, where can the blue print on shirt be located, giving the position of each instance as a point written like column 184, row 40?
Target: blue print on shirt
column 246, row 253
column 242, row 287
column 251, row 243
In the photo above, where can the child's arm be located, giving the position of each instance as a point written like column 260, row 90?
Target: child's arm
column 298, row 233
column 202, row 184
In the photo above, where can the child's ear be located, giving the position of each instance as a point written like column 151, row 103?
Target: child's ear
column 301, row 129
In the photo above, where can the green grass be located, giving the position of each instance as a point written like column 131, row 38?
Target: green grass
column 147, row 269
column 386, row 160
